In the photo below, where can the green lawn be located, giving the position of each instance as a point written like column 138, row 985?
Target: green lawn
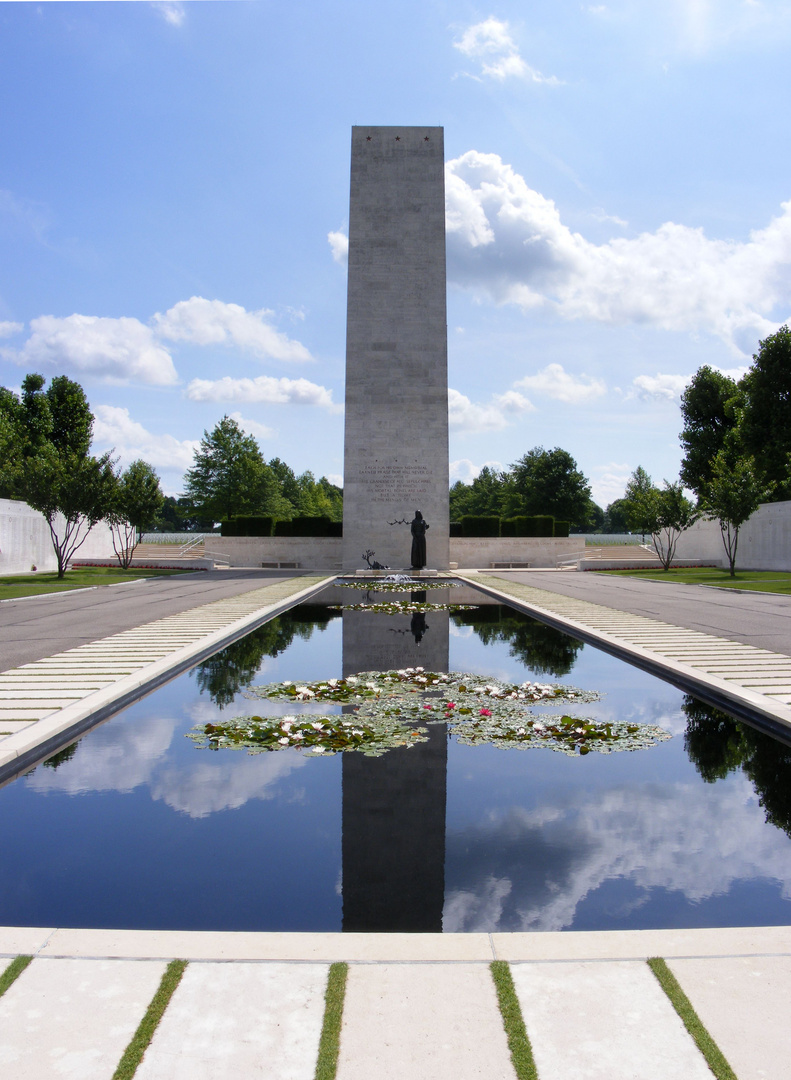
column 774, row 581
column 12, row 585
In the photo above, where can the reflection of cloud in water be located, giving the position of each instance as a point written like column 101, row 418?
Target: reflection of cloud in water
column 117, row 757
column 224, row 784
column 526, row 870
column 461, row 631
column 121, row 757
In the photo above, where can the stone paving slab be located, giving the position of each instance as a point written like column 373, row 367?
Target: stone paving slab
column 227, row 945
column 640, row 944
column 743, row 1002
column 240, row 1021
column 604, row 1021
column 434, row 1015
column 422, row 1023
column 73, row 1018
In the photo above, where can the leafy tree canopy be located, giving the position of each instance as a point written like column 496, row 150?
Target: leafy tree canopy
column 710, row 407
column 765, row 425
column 49, row 433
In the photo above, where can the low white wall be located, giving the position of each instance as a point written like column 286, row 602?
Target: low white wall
column 325, row 552
column 25, row 541
column 309, row 552
column 764, row 540
column 482, row 551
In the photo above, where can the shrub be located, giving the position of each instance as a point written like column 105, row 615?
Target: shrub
column 562, row 528
column 480, row 525
column 455, row 529
column 247, row 525
column 309, row 526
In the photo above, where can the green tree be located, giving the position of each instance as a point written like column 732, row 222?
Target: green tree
column 547, row 482
column 50, row 467
column 136, row 502
column 710, row 407
column 732, row 495
column 229, row 476
column 616, row 517
column 672, row 514
column 73, row 492
column 765, row 427
column 639, row 502
column 483, row 496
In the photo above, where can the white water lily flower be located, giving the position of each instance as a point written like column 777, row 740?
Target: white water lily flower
column 297, row 735
column 351, row 680
column 283, row 742
column 332, row 682
column 317, row 726
column 288, row 682
column 317, row 749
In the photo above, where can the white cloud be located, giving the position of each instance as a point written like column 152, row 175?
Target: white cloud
column 265, row 389
column 335, row 478
column 466, row 471
column 508, row 241
column 339, row 245
column 252, row 427
column 661, row 387
column 491, row 43
column 555, row 382
column 172, row 11
column 114, row 427
column 117, row 350
column 601, row 215
column 212, row 322
column 464, row 415
column 608, row 482
column 8, row 329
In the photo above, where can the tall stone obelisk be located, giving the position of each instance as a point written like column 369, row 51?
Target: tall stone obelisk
column 396, row 443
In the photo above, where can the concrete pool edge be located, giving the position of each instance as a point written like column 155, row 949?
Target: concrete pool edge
column 729, row 696
column 537, row 947
column 25, row 748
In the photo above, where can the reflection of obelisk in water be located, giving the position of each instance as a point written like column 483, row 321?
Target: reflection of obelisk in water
column 394, row 805
column 396, row 441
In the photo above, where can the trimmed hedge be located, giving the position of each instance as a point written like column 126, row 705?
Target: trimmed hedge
column 480, row 525
column 455, row 529
column 309, row 526
column 538, row 525
column 562, row 528
column 247, row 525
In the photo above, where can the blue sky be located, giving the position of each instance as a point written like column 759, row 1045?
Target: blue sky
column 174, row 201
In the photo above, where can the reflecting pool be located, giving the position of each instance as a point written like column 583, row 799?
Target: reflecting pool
column 137, row 826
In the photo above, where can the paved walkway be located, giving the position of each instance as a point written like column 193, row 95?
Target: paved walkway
column 417, row 1007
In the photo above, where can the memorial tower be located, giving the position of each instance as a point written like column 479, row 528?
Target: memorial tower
column 396, row 437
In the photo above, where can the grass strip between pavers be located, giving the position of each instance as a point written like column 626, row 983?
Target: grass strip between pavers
column 330, row 1041
column 133, row 1054
column 13, row 971
column 715, row 1059
column 513, row 1021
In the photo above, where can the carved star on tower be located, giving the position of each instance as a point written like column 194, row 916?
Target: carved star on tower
column 398, row 138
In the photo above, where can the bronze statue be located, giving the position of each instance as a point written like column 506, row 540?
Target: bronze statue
column 418, row 527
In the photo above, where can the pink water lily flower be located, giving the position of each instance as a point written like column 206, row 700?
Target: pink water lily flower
column 486, row 712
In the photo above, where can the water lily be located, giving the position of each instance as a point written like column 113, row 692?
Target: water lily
column 486, row 712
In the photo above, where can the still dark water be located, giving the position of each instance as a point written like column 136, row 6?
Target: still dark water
column 135, row 826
